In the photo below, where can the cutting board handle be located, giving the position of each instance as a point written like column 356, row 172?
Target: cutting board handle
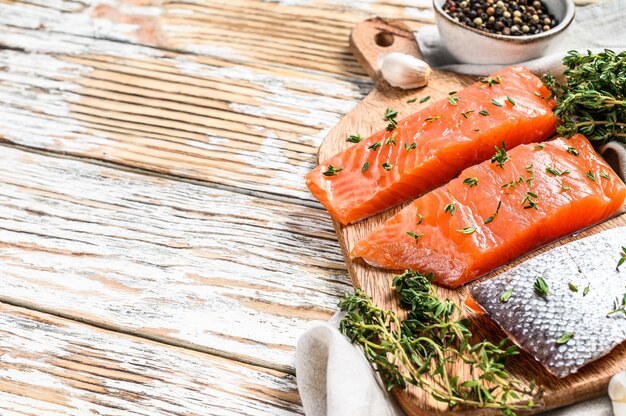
column 376, row 36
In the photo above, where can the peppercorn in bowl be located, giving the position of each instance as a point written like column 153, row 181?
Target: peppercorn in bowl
column 501, row 31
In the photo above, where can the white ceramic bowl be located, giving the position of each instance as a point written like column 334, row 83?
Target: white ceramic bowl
column 473, row 46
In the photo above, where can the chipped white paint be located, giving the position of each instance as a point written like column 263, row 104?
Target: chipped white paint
column 39, row 91
column 217, row 269
column 52, row 366
column 321, row 107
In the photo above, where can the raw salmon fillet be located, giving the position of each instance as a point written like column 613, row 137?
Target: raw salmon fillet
column 543, row 192
column 446, row 139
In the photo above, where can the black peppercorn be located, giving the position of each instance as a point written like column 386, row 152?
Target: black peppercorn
column 506, row 17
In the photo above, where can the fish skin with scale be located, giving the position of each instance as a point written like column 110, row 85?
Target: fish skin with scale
column 535, row 323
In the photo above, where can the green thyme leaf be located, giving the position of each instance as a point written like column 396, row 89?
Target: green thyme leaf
column 497, row 103
column 453, row 100
column 467, row 230
column 484, row 113
column 509, row 99
column 573, row 287
column 433, row 118
column 564, row 339
column 541, row 287
column 490, row 81
column 332, row 171
column 391, row 140
column 355, row 138
column 506, row 295
column 365, row 167
column 565, row 187
column 375, row 146
column 573, row 151
column 451, row 208
column 390, row 116
column 488, row 220
column 605, row 176
column 415, row 236
column 471, row 181
column 409, row 147
column 540, row 146
column 412, row 100
column 555, row 172
column 591, row 176
column 466, row 113
column 586, row 290
column 387, row 166
column 500, row 157
column 622, row 258
column 420, row 218
column 423, row 100
column 530, row 201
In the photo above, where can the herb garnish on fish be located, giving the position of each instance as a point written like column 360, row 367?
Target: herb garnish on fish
column 471, row 181
column 375, row 146
column 451, row 208
column 332, row 171
column 355, row 138
column 416, row 350
column 500, row 157
column 541, row 287
column 488, row 220
column 564, row 339
column 415, row 236
column 506, row 295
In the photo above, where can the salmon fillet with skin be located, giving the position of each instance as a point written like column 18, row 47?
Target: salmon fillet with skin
column 544, row 191
column 430, row 147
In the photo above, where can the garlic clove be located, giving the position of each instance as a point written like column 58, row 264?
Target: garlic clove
column 403, row 70
column 617, row 392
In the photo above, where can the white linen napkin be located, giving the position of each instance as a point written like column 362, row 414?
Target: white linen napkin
column 334, row 377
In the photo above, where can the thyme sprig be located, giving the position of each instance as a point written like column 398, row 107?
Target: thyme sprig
column 593, row 100
column 419, row 349
column 619, row 308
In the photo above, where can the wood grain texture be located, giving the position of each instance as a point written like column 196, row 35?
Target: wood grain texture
column 590, row 382
column 190, row 265
column 275, row 32
column 52, row 366
column 232, row 93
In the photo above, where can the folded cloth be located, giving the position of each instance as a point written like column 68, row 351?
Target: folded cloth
column 594, row 28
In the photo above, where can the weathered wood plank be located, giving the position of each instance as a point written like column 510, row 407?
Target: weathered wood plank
column 251, row 127
column 52, row 366
column 214, row 270
column 104, row 82
column 303, row 34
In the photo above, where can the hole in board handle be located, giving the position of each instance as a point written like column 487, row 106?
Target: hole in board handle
column 384, row 39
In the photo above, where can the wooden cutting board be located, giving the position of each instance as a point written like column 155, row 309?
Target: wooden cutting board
column 368, row 40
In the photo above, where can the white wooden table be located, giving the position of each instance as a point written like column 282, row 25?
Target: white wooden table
column 159, row 251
